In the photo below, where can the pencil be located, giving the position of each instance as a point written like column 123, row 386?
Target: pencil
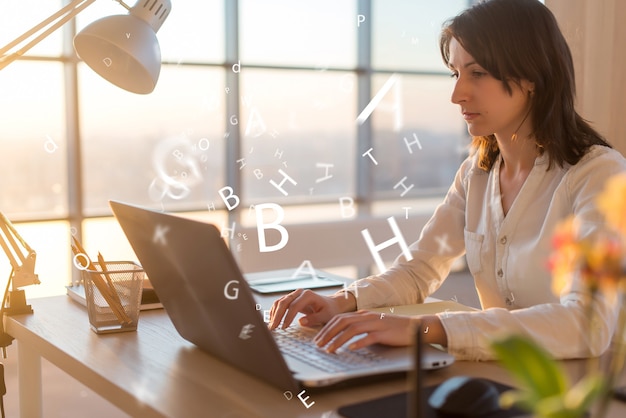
column 114, row 293
column 107, row 293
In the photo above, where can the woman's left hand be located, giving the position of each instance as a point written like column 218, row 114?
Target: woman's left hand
column 380, row 328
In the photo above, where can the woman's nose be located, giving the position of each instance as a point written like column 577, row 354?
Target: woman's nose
column 460, row 93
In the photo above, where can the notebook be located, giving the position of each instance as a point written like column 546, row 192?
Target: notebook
column 149, row 298
column 211, row 305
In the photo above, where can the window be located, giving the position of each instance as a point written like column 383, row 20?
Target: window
column 325, row 99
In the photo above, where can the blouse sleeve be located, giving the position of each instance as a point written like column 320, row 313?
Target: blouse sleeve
column 565, row 329
column 441, row 241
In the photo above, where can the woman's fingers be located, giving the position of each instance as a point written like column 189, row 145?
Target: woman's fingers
column 286, row 308
column 373, row 327
column 280, row 307
column 378, row 328
column 342, row 328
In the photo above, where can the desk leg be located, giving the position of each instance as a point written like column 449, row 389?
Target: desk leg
column 29, row 381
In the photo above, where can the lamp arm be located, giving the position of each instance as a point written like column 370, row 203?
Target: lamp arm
column 23, row 273
column 58, row 19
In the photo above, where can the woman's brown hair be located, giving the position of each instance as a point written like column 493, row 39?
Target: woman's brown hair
column 518, row 40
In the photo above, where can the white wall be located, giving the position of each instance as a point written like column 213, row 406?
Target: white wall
column 596, row 34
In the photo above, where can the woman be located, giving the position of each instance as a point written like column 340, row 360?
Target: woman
column 536, row 161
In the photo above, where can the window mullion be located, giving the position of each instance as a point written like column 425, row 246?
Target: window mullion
column 364, row 130
column 233, row 141
column 73, row 138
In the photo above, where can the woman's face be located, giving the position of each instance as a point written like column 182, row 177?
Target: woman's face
column 485, row 104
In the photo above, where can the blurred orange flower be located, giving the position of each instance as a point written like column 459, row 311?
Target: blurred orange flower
column 612, row 203
column 599, row 259
column 568, row 253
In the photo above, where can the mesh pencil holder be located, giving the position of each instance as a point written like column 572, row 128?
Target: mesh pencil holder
column 113, row 295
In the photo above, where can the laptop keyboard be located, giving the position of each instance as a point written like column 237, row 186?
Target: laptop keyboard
column 298, row 342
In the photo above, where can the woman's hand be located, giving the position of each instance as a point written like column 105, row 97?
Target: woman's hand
column 381, row 328
column 317, row 309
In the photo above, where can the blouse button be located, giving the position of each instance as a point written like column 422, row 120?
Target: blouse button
column 509, row 302
column 500, row 273
column 503, row 240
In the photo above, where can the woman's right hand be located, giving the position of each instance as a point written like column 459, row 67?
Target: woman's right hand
column 317, row 309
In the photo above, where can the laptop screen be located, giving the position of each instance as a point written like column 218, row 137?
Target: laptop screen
column 204, row 293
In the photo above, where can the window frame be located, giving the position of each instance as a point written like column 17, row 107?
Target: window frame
column 364, row 199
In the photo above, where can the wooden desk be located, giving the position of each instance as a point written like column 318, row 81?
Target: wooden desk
column 155, row 373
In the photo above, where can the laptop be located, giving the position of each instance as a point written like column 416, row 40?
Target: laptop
column 211, row 305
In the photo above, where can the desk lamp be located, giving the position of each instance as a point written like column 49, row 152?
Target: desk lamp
column 124, row 50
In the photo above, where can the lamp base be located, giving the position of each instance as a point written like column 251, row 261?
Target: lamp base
column 16, row 303
column 5, row 341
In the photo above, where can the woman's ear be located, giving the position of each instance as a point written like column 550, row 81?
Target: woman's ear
column 528, row 87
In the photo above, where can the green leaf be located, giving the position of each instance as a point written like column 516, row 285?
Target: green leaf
column 531, row 367
column 575, row 402
column 544, row 388
column 584, row 393
column 554, row 407
column 520, row 398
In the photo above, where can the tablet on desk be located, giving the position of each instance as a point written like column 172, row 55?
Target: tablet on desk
column 276, row 281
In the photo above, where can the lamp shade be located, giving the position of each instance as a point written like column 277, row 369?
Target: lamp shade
column 122, row 49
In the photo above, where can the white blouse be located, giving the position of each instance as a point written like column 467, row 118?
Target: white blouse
column 507, row 256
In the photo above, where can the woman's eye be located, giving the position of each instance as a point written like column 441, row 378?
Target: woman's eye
column 454, row 75
column 478, row 74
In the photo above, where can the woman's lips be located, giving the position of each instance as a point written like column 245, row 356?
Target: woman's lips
column 468, row 116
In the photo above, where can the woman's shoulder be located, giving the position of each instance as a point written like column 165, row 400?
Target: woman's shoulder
column 599, row 156
column 470, row 166
column 600, row 162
